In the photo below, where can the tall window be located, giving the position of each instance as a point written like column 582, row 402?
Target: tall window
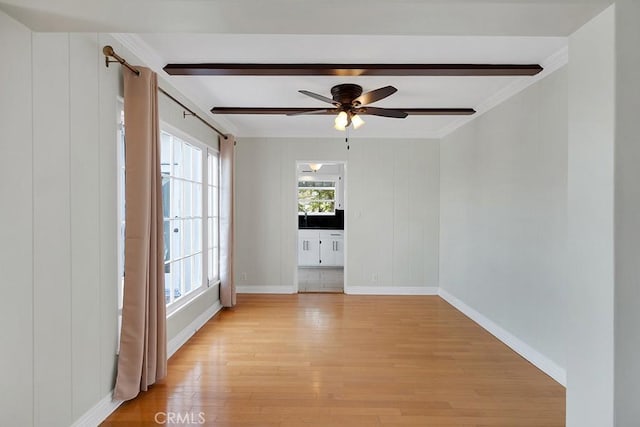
column 181, row 165
column 189, row 196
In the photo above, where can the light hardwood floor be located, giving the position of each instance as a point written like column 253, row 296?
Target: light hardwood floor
column 341, row 360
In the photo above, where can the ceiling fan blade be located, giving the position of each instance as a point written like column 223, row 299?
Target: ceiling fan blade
column 319, row 97
column 375, row 95
column 382, row 112
column 309, row 112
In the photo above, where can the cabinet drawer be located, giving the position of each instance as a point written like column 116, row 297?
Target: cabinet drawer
column 308, row 234
column 331, row 234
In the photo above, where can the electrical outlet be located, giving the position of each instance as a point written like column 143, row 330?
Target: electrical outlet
column 243, row 276
column 374, row 277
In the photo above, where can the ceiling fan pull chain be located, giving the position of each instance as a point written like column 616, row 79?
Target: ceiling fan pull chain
column 346, row 138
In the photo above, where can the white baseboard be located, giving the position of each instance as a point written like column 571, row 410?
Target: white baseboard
column 391, row 290
column 184, row 335
column 353, row 290
column 247, row 289
column 99, row 412
column 107, row 405
column 542, row 362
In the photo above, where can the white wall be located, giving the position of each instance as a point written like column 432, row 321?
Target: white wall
column 16, row 213
column 58, row 259
column 590, row 218
column 627, row 214
column 503, row 217
column 391, row 212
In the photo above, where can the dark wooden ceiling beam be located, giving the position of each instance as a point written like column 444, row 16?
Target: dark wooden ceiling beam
column 352, row 70
column 295, row 110
column 438, row 111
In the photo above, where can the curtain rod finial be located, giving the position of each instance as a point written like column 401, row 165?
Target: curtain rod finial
column 108, row 50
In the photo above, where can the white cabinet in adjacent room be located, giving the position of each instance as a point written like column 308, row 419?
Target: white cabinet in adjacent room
column 321, row 248
column 332, row 248
column 308, row 248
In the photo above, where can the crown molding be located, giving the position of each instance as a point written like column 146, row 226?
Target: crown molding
column 134, row 44
column 550, row 65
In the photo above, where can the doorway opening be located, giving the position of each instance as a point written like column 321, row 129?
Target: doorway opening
column 321, row 226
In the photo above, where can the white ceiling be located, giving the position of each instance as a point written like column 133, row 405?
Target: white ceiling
column 418, row 31
column 413, row 92
column 417, row 17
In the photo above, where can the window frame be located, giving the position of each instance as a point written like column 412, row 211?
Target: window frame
column 320, row 178
column 205, row 284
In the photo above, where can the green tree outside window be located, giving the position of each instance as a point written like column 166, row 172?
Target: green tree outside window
column 314, row 199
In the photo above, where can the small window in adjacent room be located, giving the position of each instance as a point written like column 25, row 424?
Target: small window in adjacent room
column 316, row 197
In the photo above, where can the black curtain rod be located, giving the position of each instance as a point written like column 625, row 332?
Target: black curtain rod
column 110, row 53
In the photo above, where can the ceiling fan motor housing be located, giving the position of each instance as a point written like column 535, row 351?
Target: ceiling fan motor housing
column 346, row 93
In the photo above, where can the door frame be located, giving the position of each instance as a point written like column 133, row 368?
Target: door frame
column 345, row 205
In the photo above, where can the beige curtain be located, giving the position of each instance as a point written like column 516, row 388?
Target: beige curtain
column 143, row 343
column 227, row 284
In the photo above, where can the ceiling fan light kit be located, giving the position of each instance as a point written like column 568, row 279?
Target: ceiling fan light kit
column 349, row 102
column 357, row 121
column 342, row 121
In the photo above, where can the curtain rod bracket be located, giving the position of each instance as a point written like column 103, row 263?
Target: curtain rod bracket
column 185, row 114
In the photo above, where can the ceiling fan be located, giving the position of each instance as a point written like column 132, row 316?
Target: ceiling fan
column 349, row 103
